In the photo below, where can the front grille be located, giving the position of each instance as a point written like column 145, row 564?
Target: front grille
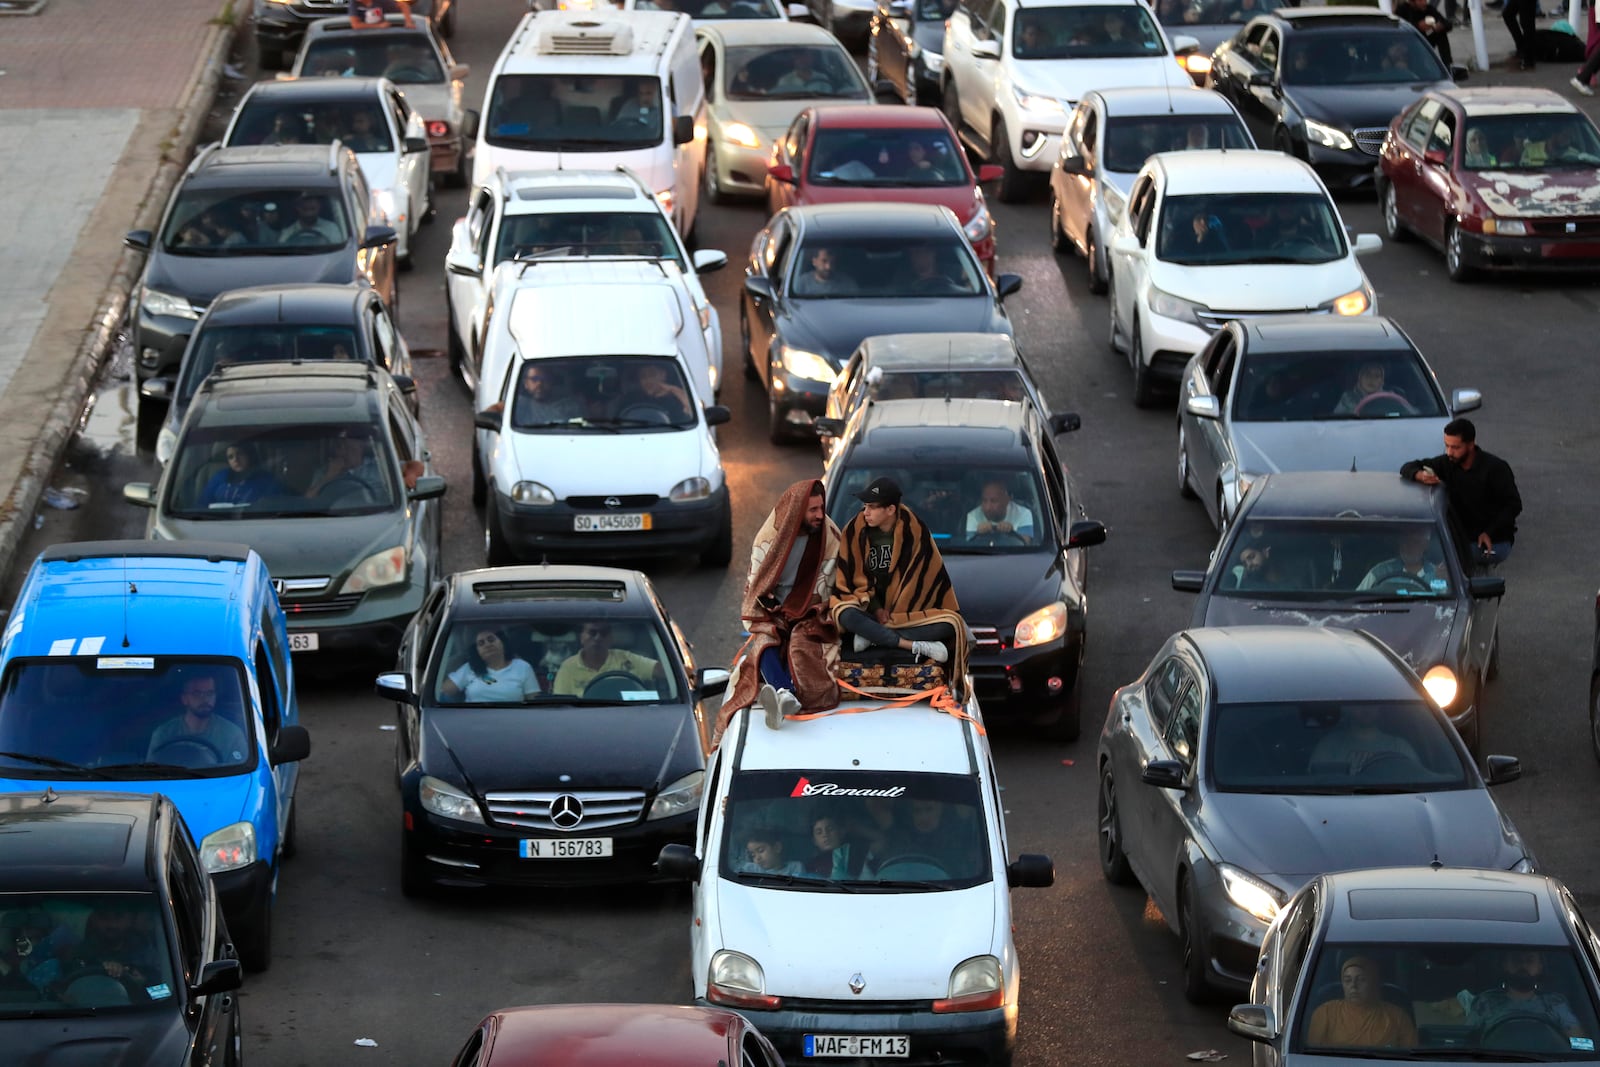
column 1370, row 138
column 532, row 811
column 858, row 1006
column 1212, row 321
column 1558, row 227
column 985, row 638
column 630, row 500
column 300, row 609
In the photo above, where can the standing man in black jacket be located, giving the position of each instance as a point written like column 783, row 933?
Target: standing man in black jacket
column 1430, row 22
column 1483, row 491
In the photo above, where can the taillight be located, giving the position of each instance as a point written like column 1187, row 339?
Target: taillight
column 438, row 129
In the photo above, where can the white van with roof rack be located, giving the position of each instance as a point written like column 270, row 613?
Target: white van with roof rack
column 600, row 89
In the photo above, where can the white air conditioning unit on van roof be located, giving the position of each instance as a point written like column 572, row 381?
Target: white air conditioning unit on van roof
column 587, row 37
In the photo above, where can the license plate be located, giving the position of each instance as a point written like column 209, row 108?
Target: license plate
column 896, row 1045
column 564, row 848
column 608, row 523
column 302, row 642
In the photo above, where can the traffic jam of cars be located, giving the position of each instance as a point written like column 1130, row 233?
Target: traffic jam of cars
column 1298, row 779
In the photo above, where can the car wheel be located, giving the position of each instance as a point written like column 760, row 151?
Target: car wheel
column 480, row 484
column 1196, row 983
column 952, row 105
column 1013, row 186
column 291, row 842
column 254, row 940
column 414, row 881
column 1455, row 260
column 495, row 549
column 720, row 552
column 452, row 343
column 1113, row 861
column 710, row 188
column 1594, row 715
column 744, row 346
column 1144, row 387
column 1091, row 244
column 1111, row 314
column 1184, row 488
column 1393, row 228
column 1058, row 237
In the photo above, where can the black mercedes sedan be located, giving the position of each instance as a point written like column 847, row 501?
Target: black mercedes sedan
column 552, row 730
column 821, row 278
column 986, row 479
column 1361, row 551
column 1323, row 84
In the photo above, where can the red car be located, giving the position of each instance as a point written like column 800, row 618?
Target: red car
column 615, row 1035
column 1498, row 178
column 905, row 155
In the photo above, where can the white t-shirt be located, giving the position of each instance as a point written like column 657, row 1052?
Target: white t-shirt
column 1020, row 518
column 509, row 684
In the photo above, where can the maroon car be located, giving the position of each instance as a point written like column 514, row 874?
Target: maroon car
column 615, row 1035
column 1498, row 178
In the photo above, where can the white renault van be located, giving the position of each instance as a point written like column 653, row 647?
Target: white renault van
column 596, row 90
column 851, row 886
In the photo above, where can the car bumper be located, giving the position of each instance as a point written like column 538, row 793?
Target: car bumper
column 243, row 894
column 1169, row 343
column 1353, row 169
column 373, row 623
column 1038, row 141
column 674, row 528
column 1023, row 681
column 444, row 155
column 158, row 343
column 1499, row 252
column 742, row 170
column 279, row 26
column 977, row 1037
column 799, row 399
column 1232, row 939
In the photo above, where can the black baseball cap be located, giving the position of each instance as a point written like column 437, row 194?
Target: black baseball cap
column 882, row 491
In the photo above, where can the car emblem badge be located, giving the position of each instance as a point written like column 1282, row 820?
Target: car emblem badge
column 566, row 812
column 857, row 983
column 613, row 502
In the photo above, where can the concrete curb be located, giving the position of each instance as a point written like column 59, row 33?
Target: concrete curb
column 67, row 413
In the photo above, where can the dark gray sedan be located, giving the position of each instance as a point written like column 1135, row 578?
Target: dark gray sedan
column 1245, row 761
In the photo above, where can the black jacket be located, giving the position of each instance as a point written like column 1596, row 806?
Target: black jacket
column 1414, row 15
column 1485, row 498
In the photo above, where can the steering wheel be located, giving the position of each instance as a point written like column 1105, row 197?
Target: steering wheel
column 915, row 857
column 989, row 538
column 1546, row 1035
column 211, row 751
column 1384, row 402
column 97, row 970
column 614, row 683
column 1378, row 759
column 407, row 75
column 1395, row 579
column 346, row 484
column 936, row 283
column 650, row 413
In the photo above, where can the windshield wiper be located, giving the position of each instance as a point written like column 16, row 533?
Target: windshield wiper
column 1451, row 1052
column 52, row 762
column 768, row 878
column 904, row 883
column 157, row 770
column 1393, row 598
column 636, row 423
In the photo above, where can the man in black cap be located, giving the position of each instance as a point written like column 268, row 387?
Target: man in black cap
column 890, row 587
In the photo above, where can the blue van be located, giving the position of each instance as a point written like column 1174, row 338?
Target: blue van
column 144, row 666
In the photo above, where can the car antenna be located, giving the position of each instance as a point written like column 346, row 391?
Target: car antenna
column 50, row 795
column 1437, row 863
column 132, row 589
column 949, row 361
column 1352, row 464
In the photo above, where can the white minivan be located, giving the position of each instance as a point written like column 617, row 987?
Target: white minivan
column 852, row 895
column 596, row 90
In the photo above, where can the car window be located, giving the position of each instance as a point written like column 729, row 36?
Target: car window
column 242, row 222
column 1443, row 136
column 602, row 394
column 967, row 507
column 979, row 384
column 387, row 342
column 1343, row 559
column 1317, row 386
column 575, row 113
column 1294, row 942
column 277, row 471
column 1161, row 692
column 1253, row 37
column 890, row 157
column 71, row 937
column 708, row 67
column 583, row 234
column 1269, row 47
column 1361, row 57
column 1237, row 228
column 189, row 905
column 1132, row 139
column 471, row 1054
column 1420, row 123
column 796, row 143
column 795, row 72
column 1110, row 31
column 1183, row 732
column 404, row 59
column 1088, row 141
column 794, row 829
column 1139, row 202
column 108, row 717
column 224, row 346
column 878, row 267
column 359, row 123
column 269, row 663
column 1530, row 142
column 613, row 659
column 996, row 21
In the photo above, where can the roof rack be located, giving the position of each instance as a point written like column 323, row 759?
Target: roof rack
column 210, row 551
column 334, row 149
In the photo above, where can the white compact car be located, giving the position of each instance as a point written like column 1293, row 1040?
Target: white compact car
column 1013, row 72
column 852, row 894
column 1216, row 235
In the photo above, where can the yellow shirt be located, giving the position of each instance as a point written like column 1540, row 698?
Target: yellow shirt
column 1348, row 1024
column 575, row 675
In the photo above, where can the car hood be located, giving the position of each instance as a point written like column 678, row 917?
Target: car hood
column 1537, row 194
column 1069, row 79
column 810, row 944
column 772, row 117
column 301, row 547
column 1353, row 106
column 1259, row 286
column 958, row 198
column 125, row 1039
column 998, row 590
column 1419, row 632
column 207, row 804
column 833, row 328
column 431, row 101
column 199, row 279
column 497, row 749
column 1290, row 839
column 1336, row 445
column 582, row 464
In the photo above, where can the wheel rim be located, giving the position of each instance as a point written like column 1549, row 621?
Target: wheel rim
column 1091, row 250
column 1452, row 250
column 1391, row 211
column 1109, row 845
column 711, row 171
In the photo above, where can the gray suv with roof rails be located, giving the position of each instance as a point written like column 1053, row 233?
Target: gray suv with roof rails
column 281, row 24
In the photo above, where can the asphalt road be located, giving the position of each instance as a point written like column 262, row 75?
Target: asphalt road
column 353, row 959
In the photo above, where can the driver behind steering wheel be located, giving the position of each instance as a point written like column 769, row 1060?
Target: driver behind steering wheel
column 1411, row 563
column 1369, row 383
column 199, row 723
column 997, row 513
column 1360, row 740
column 595, row 657
column 1519, row 996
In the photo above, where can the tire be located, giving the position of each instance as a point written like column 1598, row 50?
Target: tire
column 1144, row 386
column 1594, row 715
column 1091, row 245
column 1393, row 229
column 709, row 188
column 1455, row 263
column 291, row 837
column 720, row 552
column 495, row 550
column 1113, row 860
column 480, row 485
column 1058, row 237
column 750, row 371
column 254, row 941
column 952, row 106
column 1111, row 314
column 414, row 882
column 1184, row 488
column 457, row 179
column 1014, row 183
column 1196, row 983
column 452, row 343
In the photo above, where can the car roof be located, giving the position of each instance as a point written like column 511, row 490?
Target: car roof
column 940, row 351
column 1256, row 664
column 314, row 90
column 774, row 32
column 1507, row 101
column 1183, row 101
column 613, row 1035
column 874, row 219
column 261, row 305
column 80, row 841
column 291, row 393
column 1340, row 495
column 914, row 739
column 1444, row 904
column 585, row 304
column 543, row 589
column 531, row 192
column 1252, row 170
column 563, row 42
column 877, row 117
column 1335, row 18
column 300, row 164
column 983, row 433
column 1355, row 335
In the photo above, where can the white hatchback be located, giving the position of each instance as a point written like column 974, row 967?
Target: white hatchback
column 1216, row 235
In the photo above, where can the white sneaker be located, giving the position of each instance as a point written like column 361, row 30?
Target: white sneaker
column 1582, row 87
column 862, row 644
column 768, row 699
column 788, row 704
column 933, row 650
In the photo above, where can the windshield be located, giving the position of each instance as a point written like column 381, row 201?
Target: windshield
column 815, row 831
column 1111, row 32
column 359, row 123
column 887, row 157
column 1360, row 57
column 575, row 113
column 257, row 222
column 271, row 472
column 1460, row 1002
column 1530, row 142
column 886, row 266
column 124, row 718
column 1215, row 229
column 403, row 59
column 83, row 953
column 1333, row 748
column 1132, row 140
column 600, row 233
column 221, row 346
column 968, row 508
column 1316, row 386
column 602, row 394
column 612, row 659
column 1342, row 559
column 1176, row 14
column 792, row 72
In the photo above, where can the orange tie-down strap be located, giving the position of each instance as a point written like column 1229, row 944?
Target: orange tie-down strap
column 939, row 698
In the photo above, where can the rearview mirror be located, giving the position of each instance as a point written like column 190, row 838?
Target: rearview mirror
column 460, row 72
column 682, row 129
column 799, row 13
column 679, row 863
column 378, row 236
column 1031, row 871
column 1253, row 1021
column 1263, row 79
column 1125, row 244
column 137, row 239
column 709, row 681
column 218, row 976
column 428, row 487
column 1184, row 43
column 1461, row 401
column 464, row 263
column 990, row 172
column 405, row 383
column 293, row 745
column 1486, row 588
column 1459, row 73
column 1503, row 769
column 708, row 260
column 1074, row 165
column 139, row 494
column 488, row 419
column 760, row 288
column 1065, row 422
column 781, row 172
column 1165, row 773
column 396, row 686
column 1188, row 581
column 416, row 144
column 1203, row 407
column 1435, row 156
column 284, row 76
column 1085, row 533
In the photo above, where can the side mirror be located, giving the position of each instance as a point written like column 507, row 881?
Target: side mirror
column 1203, row 407
column 139, row 494
column 717, row 414
column 1253, row 1021
column 1164, row 773
column 760, row 288
column 1126, row 244
column 469, row 120
column 990, row 172
column 487, row 420
column 156, row 388
column 378, row 236
column 294, row 745
column 1461, row 401
column 460, row 72
column 781, row 172
column 1503, row 769
column 710, row 681
column 1459, row 73
column 406, row 384
column 1065, row 422
column 679, row 863
column 1188, row 581
column 1436, row 156
column 416, row 144
column 1486, row 588
column 218, row 976
column 1086, row 533
column 827, row 427
column 708, row 260
column 985, row 49
column 1184, row 43
column 1031, row 871
column 1263, row 79
column 428, row 487
column 138, row 240
column 682, row 129
column 1006, row 284
column 799, row 13
column 464, row 263
column 395, row 686
column 1074, row 165
column 1367, row 243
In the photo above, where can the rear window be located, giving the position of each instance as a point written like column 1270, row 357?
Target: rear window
column 221, row 346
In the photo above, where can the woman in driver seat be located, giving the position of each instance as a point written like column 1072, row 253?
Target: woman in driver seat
column 595, row 657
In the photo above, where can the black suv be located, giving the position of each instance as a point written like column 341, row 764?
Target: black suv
column 253, row 216
column 111, row 935
column 281, row 24
column 985, row 478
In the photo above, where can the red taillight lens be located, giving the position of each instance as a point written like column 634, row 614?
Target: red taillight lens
column 438, row 129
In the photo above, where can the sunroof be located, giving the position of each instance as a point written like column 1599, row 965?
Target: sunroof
column 1492, row 905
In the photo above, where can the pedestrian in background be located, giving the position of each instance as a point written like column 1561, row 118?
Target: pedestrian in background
column 365, row 14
